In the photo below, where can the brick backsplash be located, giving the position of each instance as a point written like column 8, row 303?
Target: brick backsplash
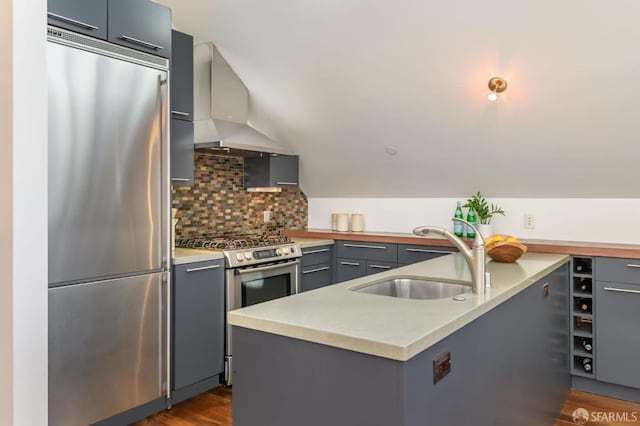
column 217, row 203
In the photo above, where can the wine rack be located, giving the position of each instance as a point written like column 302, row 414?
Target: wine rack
column 582, row 316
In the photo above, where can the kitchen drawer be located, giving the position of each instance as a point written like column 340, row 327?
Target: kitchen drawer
column 408, row 253
column 316, row 255
column 315, row 276
column 618, row 270
column 349, row 269
column 369, row 251
column 375, row 266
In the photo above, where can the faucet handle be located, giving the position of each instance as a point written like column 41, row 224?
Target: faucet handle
column 478, row 241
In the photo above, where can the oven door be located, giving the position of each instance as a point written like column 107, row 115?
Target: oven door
column 251, row 285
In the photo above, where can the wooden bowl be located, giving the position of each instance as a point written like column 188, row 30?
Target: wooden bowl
column 505, row 252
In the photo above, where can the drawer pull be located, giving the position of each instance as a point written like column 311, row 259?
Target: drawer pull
column 380, row 266
column 184, row 114
column 350, row 263
column 141, row 42
column 181, row 179
column 622, row 290
column 311, row 271
column 203, row 268
column 366, row 246
column 428, row 251
column 315, row 251
column 72, row 21
column 286, row 183
column 633, row 265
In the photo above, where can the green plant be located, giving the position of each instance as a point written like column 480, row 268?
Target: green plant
column 484, row 211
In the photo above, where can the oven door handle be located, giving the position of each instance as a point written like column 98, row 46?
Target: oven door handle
column 266, row 268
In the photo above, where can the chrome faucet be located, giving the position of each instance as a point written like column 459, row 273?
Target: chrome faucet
column 475, row 257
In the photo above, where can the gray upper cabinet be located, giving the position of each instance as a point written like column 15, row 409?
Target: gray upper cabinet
column 141, row 25
column 198, row 322
column 271, row 171
column 182, row 76
column 83, row 16
column 181, row 153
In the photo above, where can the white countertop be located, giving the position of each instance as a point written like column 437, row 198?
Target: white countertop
column 182, row 256
column 392, row 327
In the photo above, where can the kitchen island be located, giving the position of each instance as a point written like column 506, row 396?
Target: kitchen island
column 336, row 356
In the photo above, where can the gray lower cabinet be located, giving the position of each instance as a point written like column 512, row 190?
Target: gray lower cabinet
column 315, row 267
column 375, row 266
column 357, row 259
column 410, row 253
column 617, row 337
column 350, row 269
column 141, row 25
column 198, row 327
column 87, row 17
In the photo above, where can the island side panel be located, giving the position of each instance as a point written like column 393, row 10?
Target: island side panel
column 279, row 381
column 510, row 366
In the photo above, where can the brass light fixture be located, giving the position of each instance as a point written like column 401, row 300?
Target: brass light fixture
column 496, row 85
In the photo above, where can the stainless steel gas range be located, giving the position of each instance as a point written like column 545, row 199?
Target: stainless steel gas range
column 258, row 269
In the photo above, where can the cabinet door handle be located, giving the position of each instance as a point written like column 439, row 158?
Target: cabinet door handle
column 72, row 21
column 203, row 268
column 380, row 266
column 633, row 265
column 428, row 251
column 350, row 263
column 622, row 290
column 311, row 271
column 183, row 114
column 181, row 179
column 366, row 246
column 286, row 183
column 141, row 42
column 315, row 251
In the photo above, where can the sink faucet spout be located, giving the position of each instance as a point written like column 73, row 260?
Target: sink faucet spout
column 475, row 256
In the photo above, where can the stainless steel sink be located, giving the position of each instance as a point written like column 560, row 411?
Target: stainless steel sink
column 412, row 288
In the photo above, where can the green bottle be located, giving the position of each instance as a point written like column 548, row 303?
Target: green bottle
column 458, row 227
column 472, row 219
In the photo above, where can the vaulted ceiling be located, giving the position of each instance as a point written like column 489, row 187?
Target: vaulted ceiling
column 345, row 82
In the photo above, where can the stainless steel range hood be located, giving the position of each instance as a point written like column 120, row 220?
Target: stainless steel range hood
column 221, row 103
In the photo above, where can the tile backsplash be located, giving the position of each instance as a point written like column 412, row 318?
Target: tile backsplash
column 217, row 203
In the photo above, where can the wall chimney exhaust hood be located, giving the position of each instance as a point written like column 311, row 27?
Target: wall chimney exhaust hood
column 221, row 103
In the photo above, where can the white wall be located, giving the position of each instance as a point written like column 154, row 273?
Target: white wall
column 597, row 220
column 23, row 216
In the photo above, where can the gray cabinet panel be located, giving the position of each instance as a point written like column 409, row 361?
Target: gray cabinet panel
column 618, row 270
column 315, row 276
column 349, row 269
column 316, row 255
column 375, row 266
column 141, row 25
column 284, row 170
column 181, row 152
column 182, row 76
column 198, row 322
column 384, row 252
column 617, row 338
column 271, row 171
column 409, row 253
column 83, row 16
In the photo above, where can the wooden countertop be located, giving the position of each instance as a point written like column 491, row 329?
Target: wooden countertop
column 579, row 248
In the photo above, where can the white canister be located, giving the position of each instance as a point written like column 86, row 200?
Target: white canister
column 334, row 221
column 342, row 222
column 357, row 222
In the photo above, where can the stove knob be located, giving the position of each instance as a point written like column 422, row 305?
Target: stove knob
column 248, row 255
column 293, row 250
column 239, row 257
column 278, row 252
column 285, row 250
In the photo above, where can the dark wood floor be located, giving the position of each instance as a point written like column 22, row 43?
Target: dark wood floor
column 214, row 408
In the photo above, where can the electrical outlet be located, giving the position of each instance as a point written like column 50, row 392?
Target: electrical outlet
column 266, row 216
column 529, row 221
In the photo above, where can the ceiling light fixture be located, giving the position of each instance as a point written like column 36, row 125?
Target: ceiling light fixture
column 496, row 85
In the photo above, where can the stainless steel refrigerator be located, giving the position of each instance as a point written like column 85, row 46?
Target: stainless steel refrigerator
column 108, row 228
